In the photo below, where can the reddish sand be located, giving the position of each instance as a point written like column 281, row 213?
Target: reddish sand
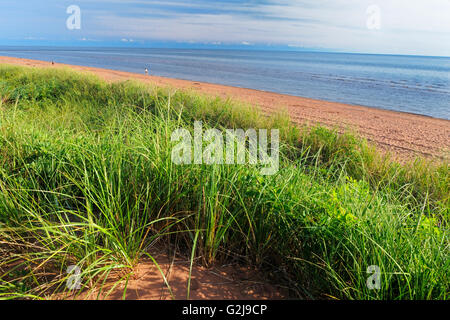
column 405, row 135
column 145, row 282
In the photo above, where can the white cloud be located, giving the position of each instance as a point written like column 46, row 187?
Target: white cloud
column 411, row 27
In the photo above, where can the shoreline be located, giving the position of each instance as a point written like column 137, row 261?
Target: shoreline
column 405, row 135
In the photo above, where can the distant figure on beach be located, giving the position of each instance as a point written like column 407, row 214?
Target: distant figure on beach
column 146, row 71
column 53, row 63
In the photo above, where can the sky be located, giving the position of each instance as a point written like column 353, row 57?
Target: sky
column 417, row 27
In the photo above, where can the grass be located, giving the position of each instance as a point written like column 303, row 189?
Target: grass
column 86, row 179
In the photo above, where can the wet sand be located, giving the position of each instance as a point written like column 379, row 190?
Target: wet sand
column 404, row 135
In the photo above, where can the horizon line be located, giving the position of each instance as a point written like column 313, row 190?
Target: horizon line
column 224, row 47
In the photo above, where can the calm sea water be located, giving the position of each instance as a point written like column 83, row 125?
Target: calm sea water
column 403, row 83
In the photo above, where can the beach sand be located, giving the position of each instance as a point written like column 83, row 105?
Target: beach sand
column 230, row 282
column 404, row 135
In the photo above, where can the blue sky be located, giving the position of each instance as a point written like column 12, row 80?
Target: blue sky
column 403, row 26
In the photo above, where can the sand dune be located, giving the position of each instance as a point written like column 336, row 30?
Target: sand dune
column 405, row 135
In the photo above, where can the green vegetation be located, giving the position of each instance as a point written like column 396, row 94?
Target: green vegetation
column 86, row 179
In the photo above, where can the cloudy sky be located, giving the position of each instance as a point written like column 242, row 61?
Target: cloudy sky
column 372, row 26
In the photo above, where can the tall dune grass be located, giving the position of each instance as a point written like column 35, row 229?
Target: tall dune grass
column 86, row 179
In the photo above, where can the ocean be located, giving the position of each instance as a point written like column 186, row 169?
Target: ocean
column 414, row 84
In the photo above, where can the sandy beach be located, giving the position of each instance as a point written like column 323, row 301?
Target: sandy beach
column 405, row 135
